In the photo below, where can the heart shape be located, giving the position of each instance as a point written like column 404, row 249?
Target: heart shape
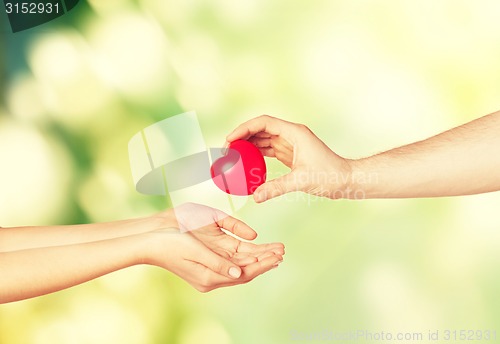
column 241, row 171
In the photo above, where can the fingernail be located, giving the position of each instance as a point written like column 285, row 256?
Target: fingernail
column 234, row 272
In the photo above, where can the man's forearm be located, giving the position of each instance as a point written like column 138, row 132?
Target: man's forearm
column 461, row 161
column 33, row 272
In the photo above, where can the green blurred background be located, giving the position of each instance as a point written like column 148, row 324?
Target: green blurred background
column 365, row 76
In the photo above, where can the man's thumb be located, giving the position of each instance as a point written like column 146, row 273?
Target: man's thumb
column 274, row 188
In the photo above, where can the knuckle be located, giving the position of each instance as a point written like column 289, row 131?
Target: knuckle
column 278, row 189
column 304, row 128
column 265, row 118
column 219, row 267
column 202, row 289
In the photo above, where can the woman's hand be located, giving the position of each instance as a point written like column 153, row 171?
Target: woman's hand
column 315, row 168
column 206, row 256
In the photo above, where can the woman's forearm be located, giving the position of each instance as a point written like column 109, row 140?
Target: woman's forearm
column 21, row 238
column 38, row 271
column 461, row 161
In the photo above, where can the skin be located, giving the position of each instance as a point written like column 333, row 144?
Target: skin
column 460, row 161
column 36, row 261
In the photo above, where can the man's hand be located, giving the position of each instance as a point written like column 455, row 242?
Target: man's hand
column 460, row 161
column 315, row 168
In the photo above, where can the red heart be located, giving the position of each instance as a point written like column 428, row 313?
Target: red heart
column 241, row 171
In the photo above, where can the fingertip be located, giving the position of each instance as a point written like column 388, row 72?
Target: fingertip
column 244, row 231
column 275, row 265
column 231, row 137
column 255, row 198
column 259, row 197
column 272, row 261
column 279, row 251
column 253, row 236
column 237, row 227
column 279, row 261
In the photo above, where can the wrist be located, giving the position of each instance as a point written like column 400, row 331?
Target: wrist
column 361, row 181
column 165, row 219
column 154, row 246
column 143, row 248
column 346, row 178
column 341, row 178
